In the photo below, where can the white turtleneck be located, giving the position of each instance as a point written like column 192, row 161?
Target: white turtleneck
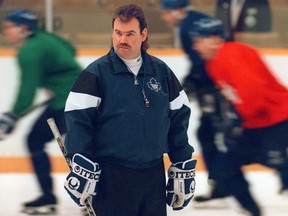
column 133, row 64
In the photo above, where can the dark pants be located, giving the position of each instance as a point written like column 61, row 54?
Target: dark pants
column 267, row 146
column 131, row 192
column 37, row 138
column 206, row 136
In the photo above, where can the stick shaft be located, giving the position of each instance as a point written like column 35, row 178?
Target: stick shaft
column 58, row 138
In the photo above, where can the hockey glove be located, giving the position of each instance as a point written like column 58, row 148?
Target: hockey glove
column 181, row 184
column 82, row 180
column 7, row 124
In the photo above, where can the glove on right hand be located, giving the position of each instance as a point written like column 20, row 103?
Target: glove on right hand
column 81, row 181
column 181, row 184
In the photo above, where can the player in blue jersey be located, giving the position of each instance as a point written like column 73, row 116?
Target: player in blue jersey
column 214, row 108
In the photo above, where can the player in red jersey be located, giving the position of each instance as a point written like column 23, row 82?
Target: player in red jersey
column 261, row 102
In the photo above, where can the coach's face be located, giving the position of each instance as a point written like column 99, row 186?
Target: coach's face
column 127, row 38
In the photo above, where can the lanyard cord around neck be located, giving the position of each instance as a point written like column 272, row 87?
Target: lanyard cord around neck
column 146, row 101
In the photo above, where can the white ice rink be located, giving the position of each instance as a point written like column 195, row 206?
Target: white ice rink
column 18, row 188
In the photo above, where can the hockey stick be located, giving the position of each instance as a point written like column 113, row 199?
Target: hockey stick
column 4, row 134
column 34, row 107
column 58, row 138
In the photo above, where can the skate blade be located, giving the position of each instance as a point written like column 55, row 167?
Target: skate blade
column 43, row 210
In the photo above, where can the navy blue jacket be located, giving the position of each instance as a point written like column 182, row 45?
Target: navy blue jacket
column 107, row 118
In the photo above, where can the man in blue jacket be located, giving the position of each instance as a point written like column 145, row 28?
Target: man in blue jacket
column 124, row 112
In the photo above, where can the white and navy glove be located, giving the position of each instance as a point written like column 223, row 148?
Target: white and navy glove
column 7, row 124
column 82, row 180
column 181, row 184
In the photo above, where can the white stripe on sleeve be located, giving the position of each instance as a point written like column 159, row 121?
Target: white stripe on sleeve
column 78, row 101
column 178, row 102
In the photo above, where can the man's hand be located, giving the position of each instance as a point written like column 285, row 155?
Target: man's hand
column 82, row 180
column 181, row 184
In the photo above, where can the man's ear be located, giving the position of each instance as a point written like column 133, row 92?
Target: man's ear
column 144, row 34
column 22, row 29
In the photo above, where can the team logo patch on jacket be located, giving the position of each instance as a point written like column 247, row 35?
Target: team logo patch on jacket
column 154, row 85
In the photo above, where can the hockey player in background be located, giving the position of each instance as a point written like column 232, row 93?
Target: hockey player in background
column 213, row 120
column 259, row 98
column 124, row 112
column 45, row 61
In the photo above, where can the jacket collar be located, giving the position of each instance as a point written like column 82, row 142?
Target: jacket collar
column 118, row 66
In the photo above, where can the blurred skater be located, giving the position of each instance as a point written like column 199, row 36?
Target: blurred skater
column 261, row 101
column 46, row 61
column 197, row 84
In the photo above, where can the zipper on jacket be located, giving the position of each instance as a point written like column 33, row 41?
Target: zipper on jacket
column 136, row 83
column 136, row 80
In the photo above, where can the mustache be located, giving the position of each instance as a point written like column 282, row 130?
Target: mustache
column 123, row 45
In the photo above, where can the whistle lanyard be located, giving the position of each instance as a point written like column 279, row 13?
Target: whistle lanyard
column 136, row 83
column 146, row 101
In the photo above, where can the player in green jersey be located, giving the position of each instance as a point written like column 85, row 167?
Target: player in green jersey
column 48, row 62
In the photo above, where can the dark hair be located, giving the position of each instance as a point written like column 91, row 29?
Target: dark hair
column 126, row 12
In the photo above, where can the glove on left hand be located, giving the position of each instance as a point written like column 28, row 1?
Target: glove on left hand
column 7, row 124
column 82, row 180
column 181, row 184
